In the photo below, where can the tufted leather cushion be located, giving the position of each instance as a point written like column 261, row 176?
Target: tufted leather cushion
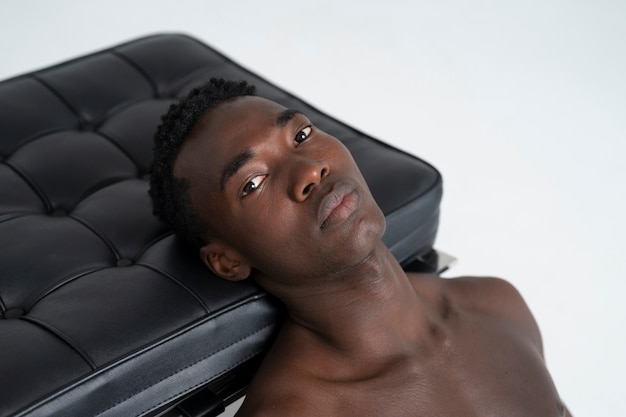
column 103, row 311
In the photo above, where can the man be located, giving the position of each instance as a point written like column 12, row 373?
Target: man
column 262, row 192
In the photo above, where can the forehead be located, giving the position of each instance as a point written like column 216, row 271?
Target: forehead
column 222, row 132
column 237, row 115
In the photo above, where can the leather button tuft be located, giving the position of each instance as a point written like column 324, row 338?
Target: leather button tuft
column 59, row 212
column 124, row 262
column 14, row 313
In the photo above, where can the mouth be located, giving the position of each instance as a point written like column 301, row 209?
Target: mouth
column 337, row 205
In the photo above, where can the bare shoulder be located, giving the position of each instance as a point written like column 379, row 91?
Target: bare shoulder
column 285, row 406
column 488, row 293
column 492, row 297
column 278, row 393
column 282, row 386
column 253, row 407
column 476, row 293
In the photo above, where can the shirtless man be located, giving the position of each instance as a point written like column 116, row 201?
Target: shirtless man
column 262, row 192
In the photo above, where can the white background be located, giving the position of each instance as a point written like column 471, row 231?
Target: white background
column 520, row 104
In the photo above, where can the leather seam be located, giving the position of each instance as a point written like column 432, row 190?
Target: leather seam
column 65, row 339
column 184, row 368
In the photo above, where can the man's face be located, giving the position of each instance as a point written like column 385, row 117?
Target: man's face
column 287, row 196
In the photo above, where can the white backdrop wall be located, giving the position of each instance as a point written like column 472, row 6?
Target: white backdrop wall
column 521, row 106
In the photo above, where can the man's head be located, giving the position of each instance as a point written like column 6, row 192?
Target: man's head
column 273, row 193
column 170, row 197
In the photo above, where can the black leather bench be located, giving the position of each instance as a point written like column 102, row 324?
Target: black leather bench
column 103, row 312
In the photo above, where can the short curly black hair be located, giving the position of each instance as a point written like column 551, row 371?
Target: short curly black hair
column 170, row 195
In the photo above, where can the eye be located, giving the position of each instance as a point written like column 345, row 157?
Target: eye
column 252, row 185
column 302, row 135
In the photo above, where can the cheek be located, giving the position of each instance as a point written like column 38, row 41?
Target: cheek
column 269, row 232
column 340, row 159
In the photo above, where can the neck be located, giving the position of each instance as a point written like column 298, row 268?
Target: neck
column 369, row 311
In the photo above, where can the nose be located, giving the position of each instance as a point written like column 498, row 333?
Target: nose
column 306, row 175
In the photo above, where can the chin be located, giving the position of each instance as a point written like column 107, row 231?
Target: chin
column 372, row 229
column 375, row 223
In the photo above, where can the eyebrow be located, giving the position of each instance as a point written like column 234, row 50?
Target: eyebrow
column 233, row 166
column 285, row 116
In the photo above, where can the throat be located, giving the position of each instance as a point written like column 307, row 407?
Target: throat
column 377, row 322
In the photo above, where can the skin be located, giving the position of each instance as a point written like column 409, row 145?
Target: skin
column 362, row 337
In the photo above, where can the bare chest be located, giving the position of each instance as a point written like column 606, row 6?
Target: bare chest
column 478, row 367
column 475, row 353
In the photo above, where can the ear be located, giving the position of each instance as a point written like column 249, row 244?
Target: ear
column 224, row 261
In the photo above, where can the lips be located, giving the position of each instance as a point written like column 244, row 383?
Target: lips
column 337, row 205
